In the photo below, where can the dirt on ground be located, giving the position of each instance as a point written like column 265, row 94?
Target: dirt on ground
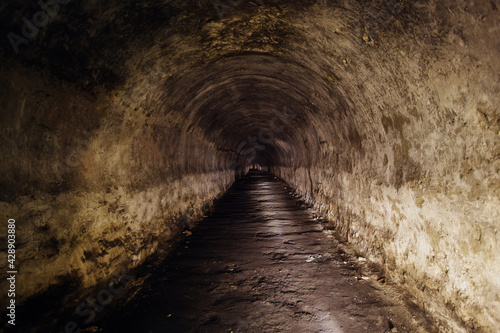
column 261, row 262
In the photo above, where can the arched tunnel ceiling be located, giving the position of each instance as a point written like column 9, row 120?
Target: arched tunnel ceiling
column 231, row 71
column 249, row 98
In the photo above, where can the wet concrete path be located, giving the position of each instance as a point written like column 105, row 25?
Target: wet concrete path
column 260, row 263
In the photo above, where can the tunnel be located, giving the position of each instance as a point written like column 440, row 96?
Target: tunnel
column 124, row 123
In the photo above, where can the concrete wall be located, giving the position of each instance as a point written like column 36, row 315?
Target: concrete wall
column 411, row 175
column 94, row 183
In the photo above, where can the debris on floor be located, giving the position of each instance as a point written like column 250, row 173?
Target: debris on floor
column 318, row 257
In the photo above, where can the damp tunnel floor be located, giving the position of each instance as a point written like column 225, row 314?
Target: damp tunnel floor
column 260, row 263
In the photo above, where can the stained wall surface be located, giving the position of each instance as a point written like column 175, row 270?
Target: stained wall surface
column 122, row 121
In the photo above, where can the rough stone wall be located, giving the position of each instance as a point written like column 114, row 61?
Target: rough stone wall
column 411, row 177
column 96, row 183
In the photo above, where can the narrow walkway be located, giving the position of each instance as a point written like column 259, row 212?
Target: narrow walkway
column 260, row 263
